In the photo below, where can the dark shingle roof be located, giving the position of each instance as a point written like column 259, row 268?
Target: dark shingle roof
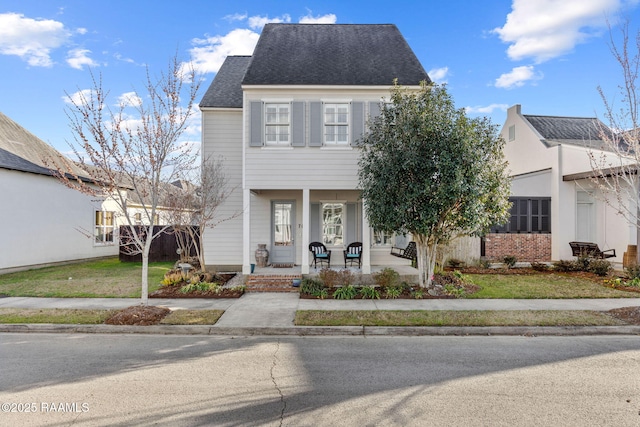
column 23, row 151
column 568, row 130
column 226, row 91
column 333, row 54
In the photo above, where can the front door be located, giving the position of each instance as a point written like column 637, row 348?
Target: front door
column 283, row 250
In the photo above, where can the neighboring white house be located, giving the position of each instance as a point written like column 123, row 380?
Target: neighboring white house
column 45, row 222
column 555, row 201
column 287, row 120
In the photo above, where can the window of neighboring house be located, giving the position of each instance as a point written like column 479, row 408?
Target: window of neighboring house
column 333, row 224
column 156, row 219
column 382, row 238
column 104, row 227
column 528, row 215
column 138, row 218
column 277, row 124
column 336, row 124
column 512, row 132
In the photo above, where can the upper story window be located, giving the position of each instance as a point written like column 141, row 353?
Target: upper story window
column 104, row 228
column 277, row 124
column 512, row 133
column 336, row 124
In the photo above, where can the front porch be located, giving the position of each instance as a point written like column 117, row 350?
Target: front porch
column 276, row 279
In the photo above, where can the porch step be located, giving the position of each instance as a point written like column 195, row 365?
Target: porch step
column 272, row 283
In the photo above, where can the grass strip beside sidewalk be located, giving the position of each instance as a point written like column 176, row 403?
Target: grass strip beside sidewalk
column 96, row 317
column 455, row 318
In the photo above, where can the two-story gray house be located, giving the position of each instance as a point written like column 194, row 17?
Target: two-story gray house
column 287, row 121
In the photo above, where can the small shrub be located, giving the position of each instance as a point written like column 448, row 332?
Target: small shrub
column 600, row 267
column 564, row 266
column 320, row 293
column 309, row 286
column 346, row 278
column 484, row 263
column 455, row 290
column 387, row 278
column 417, row 293
column 634, row 283
column 330, row 278
column 369, row 292
column 632, row 271
column 539, row 266
column 172, row 278
column 392, row 292
column 345, row 292
column 510, row 261
column 455, row 263
column 583, row 262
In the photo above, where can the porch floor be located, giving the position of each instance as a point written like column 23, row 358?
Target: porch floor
column 403, row 270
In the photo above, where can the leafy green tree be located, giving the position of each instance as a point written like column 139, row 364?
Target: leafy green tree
column 429, row 170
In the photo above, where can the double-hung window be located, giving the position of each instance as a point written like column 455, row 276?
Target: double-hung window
column 277, row 124
column 336, row 124
column 382, row 238
column 104, row 228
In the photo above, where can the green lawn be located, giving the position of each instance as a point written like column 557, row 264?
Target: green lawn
column 103, row 278
column 542, row 286
column 454, row 318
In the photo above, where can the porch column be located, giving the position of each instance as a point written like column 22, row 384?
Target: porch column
column 306, row 227
column 246, row 231
column 366, row 241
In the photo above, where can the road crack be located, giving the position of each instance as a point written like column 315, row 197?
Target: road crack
column 275, row 383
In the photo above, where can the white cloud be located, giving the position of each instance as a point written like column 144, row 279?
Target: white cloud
column 129, row 99
column 487, row 109
column 257, row 22
column 210, row 53
column 236, row 17
column 77, row 58
column 439, row 75
column 546, row 29
column 78, row 98
column 517, row 77
column 31, row 39
column 329, row 18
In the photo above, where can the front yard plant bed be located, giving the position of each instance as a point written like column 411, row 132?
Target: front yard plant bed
column 413, row 292
column 177, row 285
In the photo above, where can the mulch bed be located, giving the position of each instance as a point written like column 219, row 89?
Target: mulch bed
column 630, row 315
column 139, row 315
column 173, row 291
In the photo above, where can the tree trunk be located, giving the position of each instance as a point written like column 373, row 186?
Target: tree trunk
column 426, row 260
column 144, row 296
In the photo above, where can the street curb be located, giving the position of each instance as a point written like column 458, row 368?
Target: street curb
column 528, row 331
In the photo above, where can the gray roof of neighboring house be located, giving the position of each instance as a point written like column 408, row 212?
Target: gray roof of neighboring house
column 583, row 131
column 226, row 90
column 23, row 151
column 333, row 54
column 318, row 54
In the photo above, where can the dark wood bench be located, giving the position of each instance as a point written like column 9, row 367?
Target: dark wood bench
column 410, row 252
column 590, row 250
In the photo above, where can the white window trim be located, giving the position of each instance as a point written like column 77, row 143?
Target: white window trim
column 277, row 143
column 103, row 228
column 347, row 125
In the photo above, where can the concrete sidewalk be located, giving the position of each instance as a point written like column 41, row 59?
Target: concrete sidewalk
column 273, row 314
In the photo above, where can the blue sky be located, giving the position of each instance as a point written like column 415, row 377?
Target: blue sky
column 548, row 55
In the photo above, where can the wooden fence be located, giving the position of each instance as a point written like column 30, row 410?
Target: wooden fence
column 163, row 248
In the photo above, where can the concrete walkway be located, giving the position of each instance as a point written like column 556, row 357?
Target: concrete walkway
column 273, row 313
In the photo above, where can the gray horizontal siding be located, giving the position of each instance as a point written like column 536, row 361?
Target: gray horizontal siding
column 222, row 136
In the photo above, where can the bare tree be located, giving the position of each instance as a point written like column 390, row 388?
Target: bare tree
column 194, row 211
column 615, row 166
column 129, row 158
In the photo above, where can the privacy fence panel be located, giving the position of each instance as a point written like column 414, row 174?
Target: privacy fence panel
column 163, row 248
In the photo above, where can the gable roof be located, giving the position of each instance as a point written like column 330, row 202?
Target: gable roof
column 582, row 131
column 23, row 151
column 333, row 54
column 226, row 91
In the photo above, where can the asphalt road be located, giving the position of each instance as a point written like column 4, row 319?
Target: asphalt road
column 127, row 380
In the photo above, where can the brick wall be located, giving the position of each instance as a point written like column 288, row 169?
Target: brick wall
column 525, row 247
